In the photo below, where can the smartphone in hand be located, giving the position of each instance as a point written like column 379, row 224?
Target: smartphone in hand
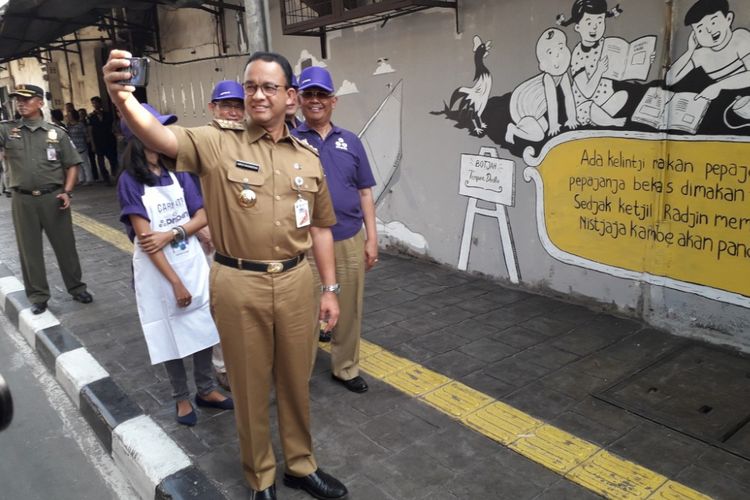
column 138, row 72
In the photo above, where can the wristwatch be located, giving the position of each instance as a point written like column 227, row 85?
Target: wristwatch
column 69, row 193
column 335, row 288
column 176, row 235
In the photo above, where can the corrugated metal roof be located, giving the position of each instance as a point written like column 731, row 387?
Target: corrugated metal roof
column 29, row 25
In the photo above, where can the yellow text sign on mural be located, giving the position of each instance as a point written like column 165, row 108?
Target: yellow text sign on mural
column 674, row 212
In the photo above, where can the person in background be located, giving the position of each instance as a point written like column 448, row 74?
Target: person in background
column 170, row 272
column 58, row 119
column 77, row 132
column 105, row 146
column 356, row 248
column 291, row 120
column 227, row 103
column 4, row 176
column 89, row 142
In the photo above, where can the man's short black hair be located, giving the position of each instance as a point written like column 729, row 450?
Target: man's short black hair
column 703, row 8
column 274, row 57
column 57, row 114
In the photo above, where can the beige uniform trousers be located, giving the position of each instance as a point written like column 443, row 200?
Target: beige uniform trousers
column 263, row 322
column 350, row 274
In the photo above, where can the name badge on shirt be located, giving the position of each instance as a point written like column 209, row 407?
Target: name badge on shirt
column 247, row 165
column 51, row 154
column 302, row 212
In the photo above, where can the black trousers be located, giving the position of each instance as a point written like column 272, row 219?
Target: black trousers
column 111, row 155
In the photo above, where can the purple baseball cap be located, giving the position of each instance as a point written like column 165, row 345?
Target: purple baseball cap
column 163, row 119
column 227, row 89
column 315, row 76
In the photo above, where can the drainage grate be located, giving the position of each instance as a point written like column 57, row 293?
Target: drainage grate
column 695, row 390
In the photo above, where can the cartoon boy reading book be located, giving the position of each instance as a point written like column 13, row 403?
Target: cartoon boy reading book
column 723, row 53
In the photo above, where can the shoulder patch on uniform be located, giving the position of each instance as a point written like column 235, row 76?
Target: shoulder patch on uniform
column 229, row 124
column 305, row 144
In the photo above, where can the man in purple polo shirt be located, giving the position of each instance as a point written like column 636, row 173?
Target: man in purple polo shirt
column 227, row 103
column 350, row 181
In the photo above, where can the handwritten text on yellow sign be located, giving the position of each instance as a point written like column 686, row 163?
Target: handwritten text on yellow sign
column 678, row 209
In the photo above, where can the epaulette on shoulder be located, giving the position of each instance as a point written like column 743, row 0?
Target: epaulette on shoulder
column 229, row 124
column 305, row 144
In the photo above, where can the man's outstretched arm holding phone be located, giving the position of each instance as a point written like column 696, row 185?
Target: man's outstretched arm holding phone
column 154, row 135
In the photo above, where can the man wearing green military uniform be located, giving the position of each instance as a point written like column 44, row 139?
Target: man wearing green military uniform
column 42, row 168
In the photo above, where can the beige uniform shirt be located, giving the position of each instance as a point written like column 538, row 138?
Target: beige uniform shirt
column 36, row 153
column 231, row 156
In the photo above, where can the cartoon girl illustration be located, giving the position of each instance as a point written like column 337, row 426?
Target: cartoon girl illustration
column 596, row 100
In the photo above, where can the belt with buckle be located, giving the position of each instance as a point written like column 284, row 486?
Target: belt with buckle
column 262, row 267
column 36, row 192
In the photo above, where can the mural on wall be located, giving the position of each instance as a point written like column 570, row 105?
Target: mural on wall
column 637, row 178
column 382, row 139
column 383, row 67
column 468, row 104
column 485, row 177
column 347, row 87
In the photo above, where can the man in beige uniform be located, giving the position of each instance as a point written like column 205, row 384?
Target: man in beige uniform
column 267, row 202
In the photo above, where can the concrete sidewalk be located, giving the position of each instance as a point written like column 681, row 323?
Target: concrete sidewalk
column 476, row 390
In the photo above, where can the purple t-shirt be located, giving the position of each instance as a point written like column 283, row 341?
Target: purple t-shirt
column 130, row 193
column 347, row 171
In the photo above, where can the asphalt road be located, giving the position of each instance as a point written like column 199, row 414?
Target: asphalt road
column 48, row 451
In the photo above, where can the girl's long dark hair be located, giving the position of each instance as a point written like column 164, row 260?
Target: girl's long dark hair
column 134, row 160
column 581, row 7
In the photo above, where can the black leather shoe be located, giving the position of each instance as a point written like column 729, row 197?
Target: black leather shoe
column 267, row 494
column 38, row 308
column 83, row 298
column 356, row 384
column 318, row 484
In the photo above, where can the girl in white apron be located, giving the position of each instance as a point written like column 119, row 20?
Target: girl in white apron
column 170, row 274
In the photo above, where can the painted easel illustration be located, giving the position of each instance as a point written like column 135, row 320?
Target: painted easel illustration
column 488, row 178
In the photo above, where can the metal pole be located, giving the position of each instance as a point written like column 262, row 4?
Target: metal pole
column 80, row 53
column 256, row 25
column 70, row 78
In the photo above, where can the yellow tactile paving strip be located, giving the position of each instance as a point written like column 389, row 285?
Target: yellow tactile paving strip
column 575, row 459
column 103, row 231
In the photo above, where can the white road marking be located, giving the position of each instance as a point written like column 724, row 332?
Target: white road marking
column 73, row 423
